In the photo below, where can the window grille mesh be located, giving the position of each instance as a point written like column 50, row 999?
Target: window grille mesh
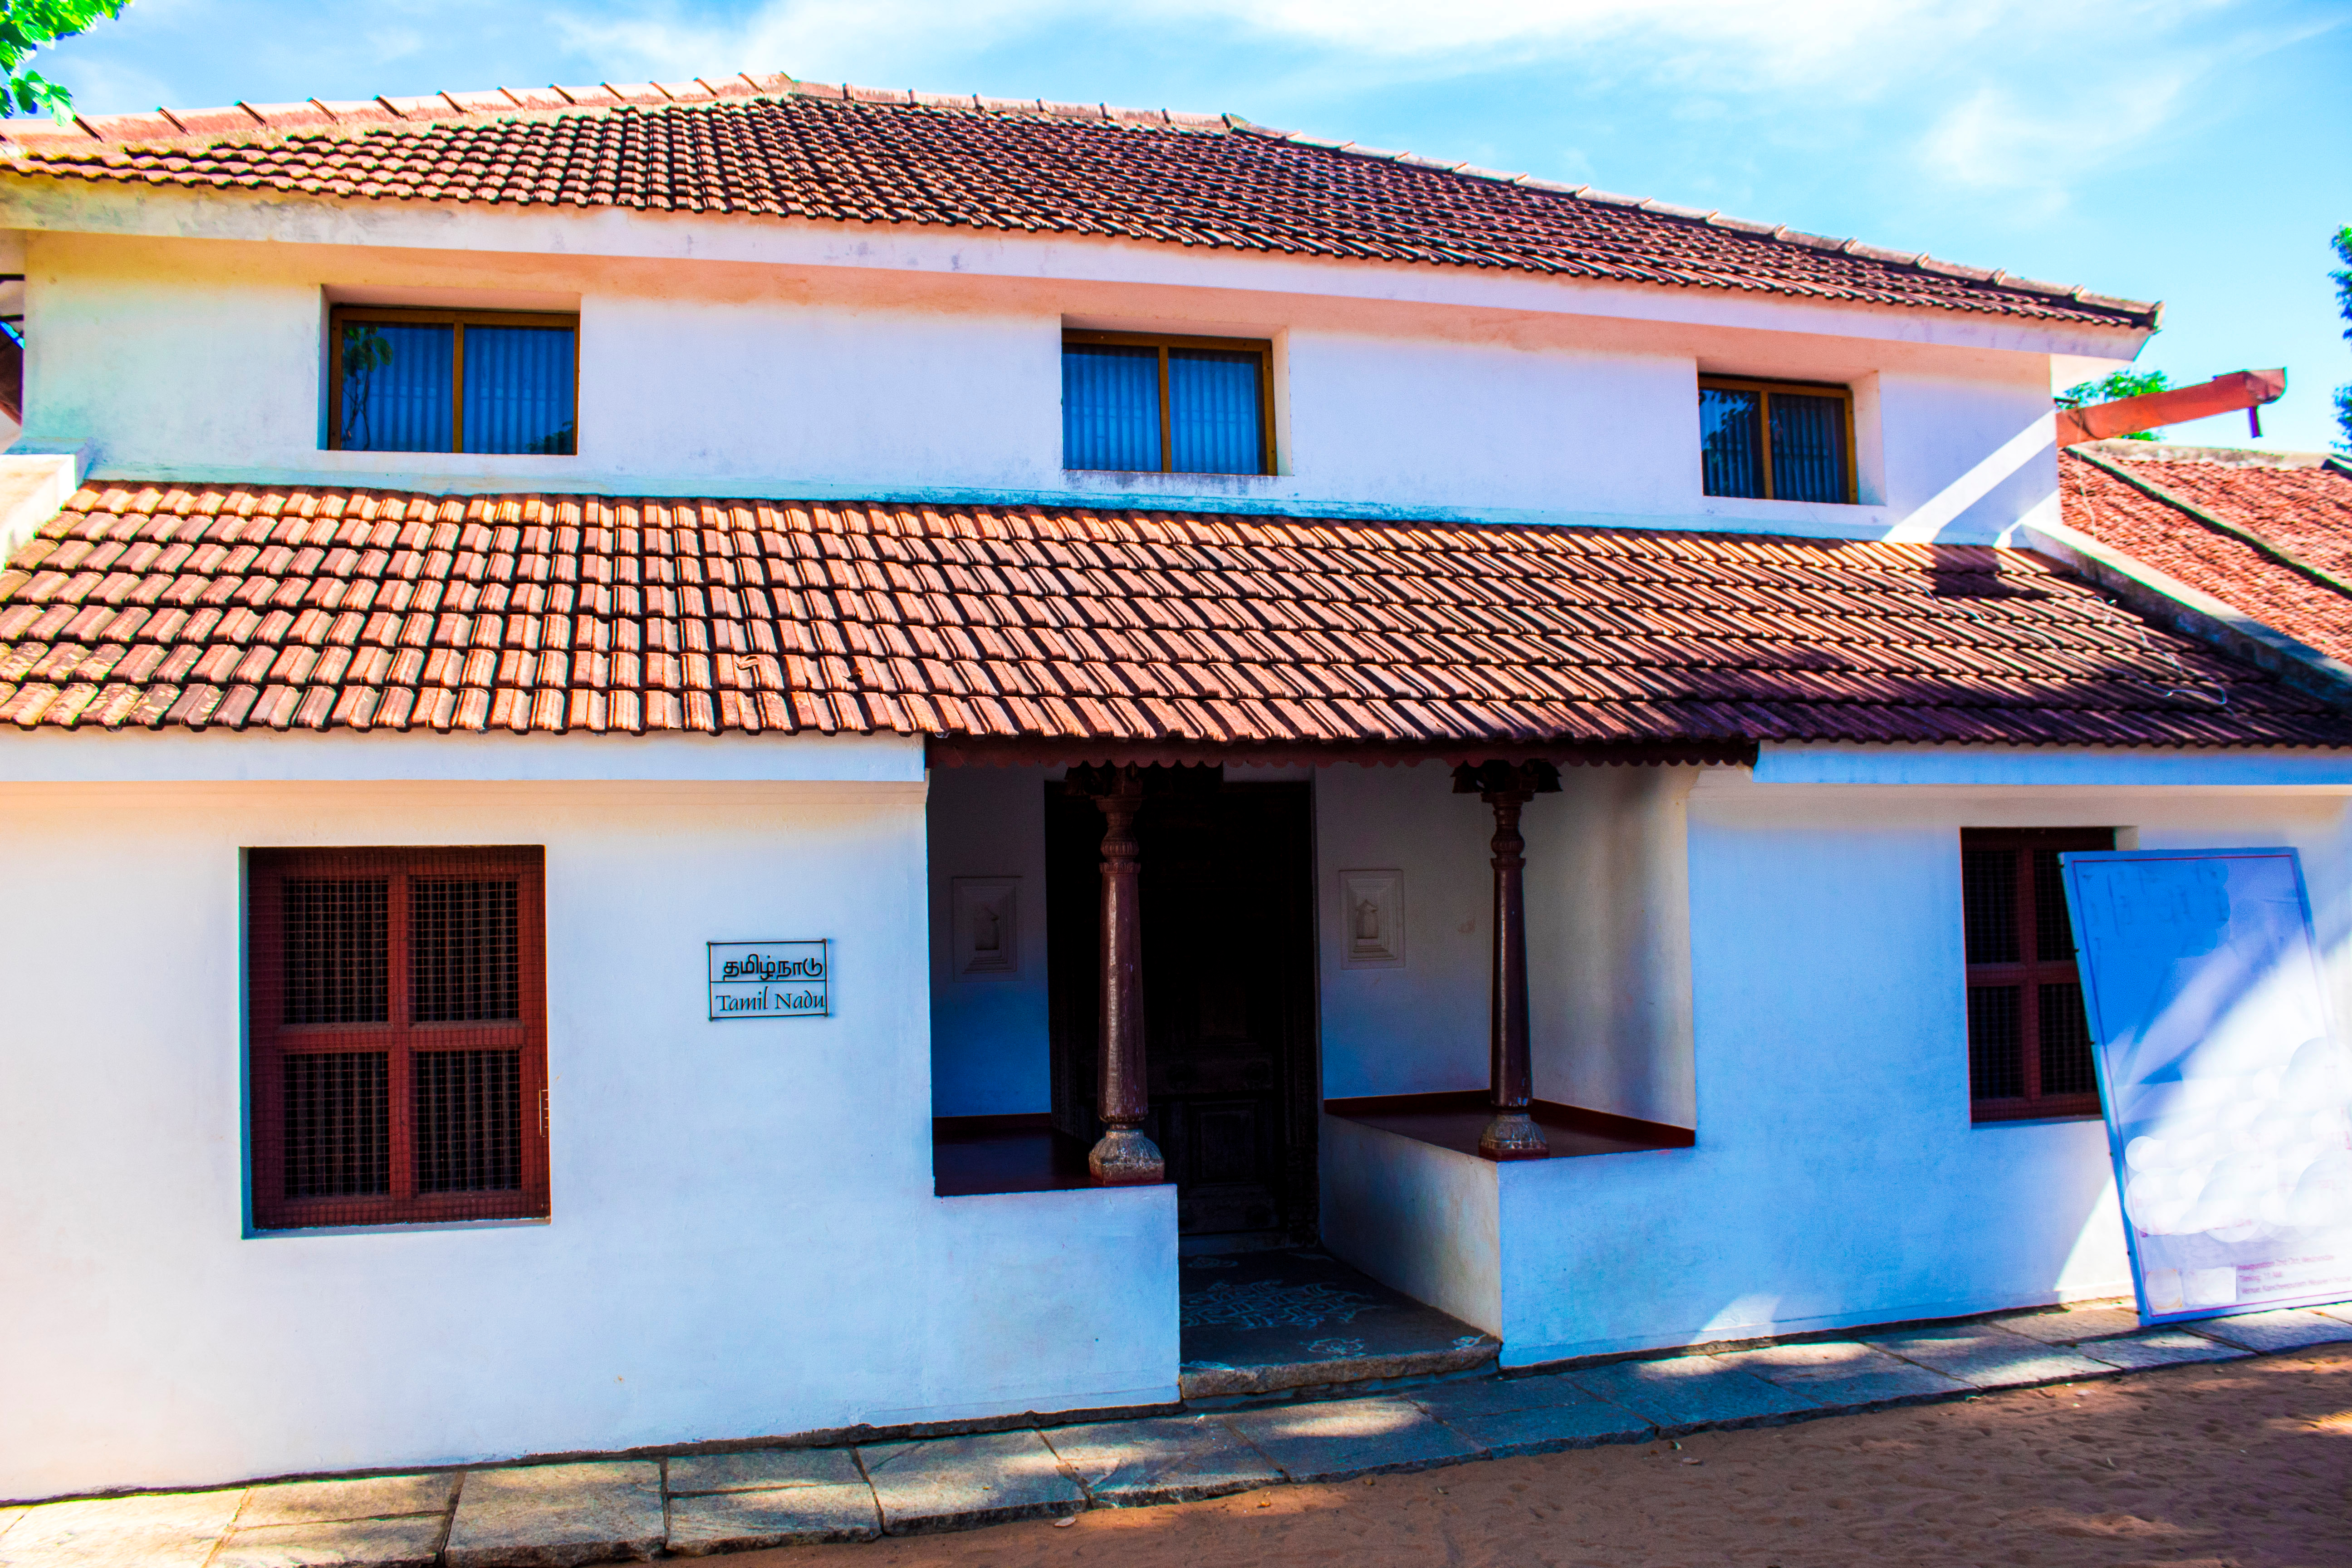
column 335, row 952
column 2053, row 928
column 1989, row 904
column 463, row 952
column 1996, row 1043
column 338, row 1125
column 2066, row 1066
column 468, row 1121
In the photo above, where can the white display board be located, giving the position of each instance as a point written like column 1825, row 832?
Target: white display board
column 2225, row 1086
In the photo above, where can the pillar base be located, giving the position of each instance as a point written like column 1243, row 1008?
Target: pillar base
column 1126, row 1157
column 1513, row 1135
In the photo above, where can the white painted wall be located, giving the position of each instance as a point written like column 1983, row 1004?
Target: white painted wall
column 764, row 368
column 1425, row 1220
column 1837, row 1179
column 1608, row 891
column 744, row 1240
column 991, row 1049
column 1608, row 946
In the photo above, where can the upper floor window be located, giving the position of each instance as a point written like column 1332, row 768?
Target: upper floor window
column 452, row 381
column 2029, row 1037
column 1136, row 403
column 1776, row 440
column 396, row 1018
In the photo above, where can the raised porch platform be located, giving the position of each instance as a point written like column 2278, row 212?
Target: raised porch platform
column 1454, row 1119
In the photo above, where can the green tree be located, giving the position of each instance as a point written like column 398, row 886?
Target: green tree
column 2115, row 384
column 2343, row 275
column 29, row 24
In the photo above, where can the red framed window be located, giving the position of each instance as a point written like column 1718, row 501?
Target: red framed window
column 2029, row 1038
column 397, row 1015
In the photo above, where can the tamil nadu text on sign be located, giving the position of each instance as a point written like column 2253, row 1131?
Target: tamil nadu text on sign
column 769, row 980
column 2225, row 1086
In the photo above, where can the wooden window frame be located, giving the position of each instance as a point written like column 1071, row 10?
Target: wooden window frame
column 337, row 316
column 1766, row 388
column 2031, row 971
column 1262, row 347
column 271, row 1041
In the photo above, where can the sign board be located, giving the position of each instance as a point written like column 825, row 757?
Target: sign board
column 769, row 980
column 2225, row 1086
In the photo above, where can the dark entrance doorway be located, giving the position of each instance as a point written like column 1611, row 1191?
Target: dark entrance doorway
column 1228, row 991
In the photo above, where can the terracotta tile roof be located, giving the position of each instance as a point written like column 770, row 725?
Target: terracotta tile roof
column 2306, row 510
column 772, row 147
column 320, row 609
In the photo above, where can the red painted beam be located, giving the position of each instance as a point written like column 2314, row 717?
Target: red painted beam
column 2126, row 415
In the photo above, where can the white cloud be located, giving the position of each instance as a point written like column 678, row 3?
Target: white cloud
column 1846, row 49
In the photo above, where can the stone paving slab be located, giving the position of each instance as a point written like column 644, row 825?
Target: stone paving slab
column 1986, row 1357
column 2070, row 1325
column 1497, row 1397
column 2159, row 1347
column 1339, row 1440
column 2291, row 1328
column 1681, row 1392
column 772, row 1497
column 765, row 1470
column 169, row 1529
column 1836, row 1374
column 1175, row 1459
column 558, row 1516
column 370, row 1497
column 785, row 1516
column 411, row 1542
column 1546, row 1429
column 955, row 1483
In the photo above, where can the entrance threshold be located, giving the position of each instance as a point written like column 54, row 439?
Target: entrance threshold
column 1276, row 1319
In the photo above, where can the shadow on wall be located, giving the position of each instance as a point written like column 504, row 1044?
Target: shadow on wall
column 1609, row 942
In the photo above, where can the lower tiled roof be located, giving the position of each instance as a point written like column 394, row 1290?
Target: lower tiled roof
column 2304, row 510
column 319, row 609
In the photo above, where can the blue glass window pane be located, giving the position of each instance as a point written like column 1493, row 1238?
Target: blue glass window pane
column 1110, row 407
column 519, row 389
column 1807, row 448
column 1731, row 457
column 397, row 386
column 1215, row 424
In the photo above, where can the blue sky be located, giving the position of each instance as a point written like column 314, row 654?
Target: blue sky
column 2199, row 152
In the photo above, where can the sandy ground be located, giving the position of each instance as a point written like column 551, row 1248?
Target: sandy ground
column 2246, row 1463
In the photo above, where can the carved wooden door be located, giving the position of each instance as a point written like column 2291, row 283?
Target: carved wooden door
column 1228, row 985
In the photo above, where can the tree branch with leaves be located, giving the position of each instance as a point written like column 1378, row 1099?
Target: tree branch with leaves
column 2113, row 387
column 27, row 26
column 2343, row 276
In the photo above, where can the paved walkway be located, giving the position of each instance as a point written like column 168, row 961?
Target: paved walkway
column 635, row 1509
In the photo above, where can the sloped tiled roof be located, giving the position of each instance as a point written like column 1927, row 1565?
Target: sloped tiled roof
column 2304, row 509
column 268, row 608
column 772, row 147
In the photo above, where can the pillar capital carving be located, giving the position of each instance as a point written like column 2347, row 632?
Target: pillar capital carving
column 1491, row 779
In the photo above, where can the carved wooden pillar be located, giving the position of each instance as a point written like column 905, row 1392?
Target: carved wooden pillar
column 1125, row 1154
column 1511, row 1133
